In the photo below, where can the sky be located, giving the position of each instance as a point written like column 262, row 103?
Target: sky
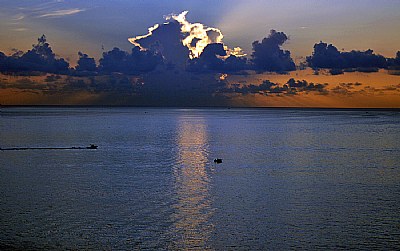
column 90, row 25
column 186, row 50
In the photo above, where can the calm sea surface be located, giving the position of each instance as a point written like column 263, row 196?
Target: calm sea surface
column 290, row 179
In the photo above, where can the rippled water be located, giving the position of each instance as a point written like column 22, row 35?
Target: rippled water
column 311, row 179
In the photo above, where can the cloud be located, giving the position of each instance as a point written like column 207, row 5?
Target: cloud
column 198, row 32
column 268, row 88
column 215, row 58
column 40, row 58
column 44, row 5
column 329, row 57
column 351, row 89
column 18, row 17
column 342, row 90
column 165, row 40
column 210, row 58
column 61, row 13
column 268, row 55
column 179, row 40
column 117, row 60
column 135, row 40
column 20, row 29
column 85, row 63
column 394, row 63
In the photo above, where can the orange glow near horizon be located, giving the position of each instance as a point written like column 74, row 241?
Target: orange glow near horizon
column 378, row 89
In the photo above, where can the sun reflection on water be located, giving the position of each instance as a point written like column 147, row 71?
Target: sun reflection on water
column 192, row 227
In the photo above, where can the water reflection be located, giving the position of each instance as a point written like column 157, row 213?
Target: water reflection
column 192, row 227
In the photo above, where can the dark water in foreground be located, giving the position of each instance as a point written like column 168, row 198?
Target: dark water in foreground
column 311, row 179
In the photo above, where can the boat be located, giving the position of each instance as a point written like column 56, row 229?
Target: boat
column 92, row 146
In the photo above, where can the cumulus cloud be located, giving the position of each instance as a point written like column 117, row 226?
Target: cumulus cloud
column 210, row 58
column 201, row 34
column 117, row 60
column 135, row 40
column 85, row 63
column 40, row 58
column 394, row 63
column 268, row 55
column 165, row 40
column 179, row 38
column 329, row 57
column 215, row 58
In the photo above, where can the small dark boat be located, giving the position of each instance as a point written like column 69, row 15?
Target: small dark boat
column 92, row 146
column 218, row 161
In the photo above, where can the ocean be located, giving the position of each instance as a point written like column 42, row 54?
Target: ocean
column 320, row 179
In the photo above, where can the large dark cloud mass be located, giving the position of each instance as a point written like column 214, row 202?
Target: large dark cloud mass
column 268, row 55
column 210, row 59
column 191, row 46
column 214, row 58
column 329, row 57
column 166, row 40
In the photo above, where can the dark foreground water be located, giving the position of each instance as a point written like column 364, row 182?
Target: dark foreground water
column 290, row 179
